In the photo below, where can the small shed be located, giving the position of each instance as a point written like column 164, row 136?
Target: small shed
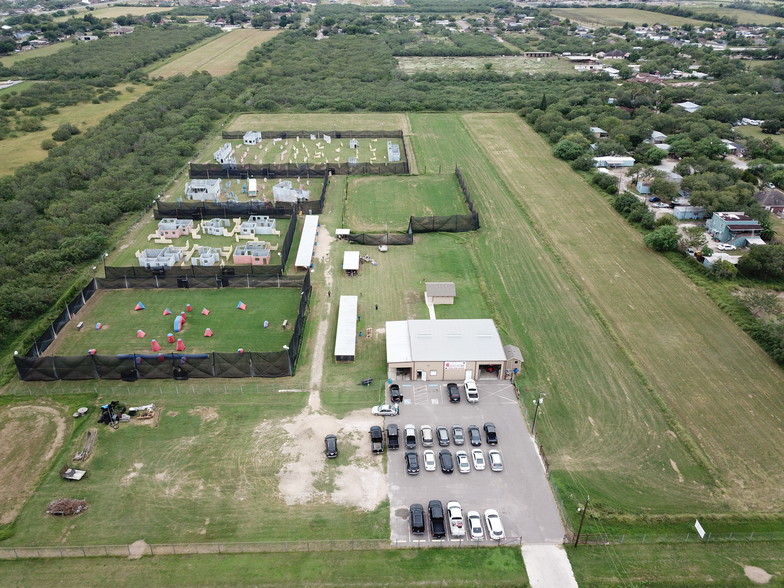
column 514, row 360
column 252, row 137
column 353, row 144
column 599, row 133
column 440, row 292
column 253, row 189
column 351, row 263
column 342, row 233
column 393, row 151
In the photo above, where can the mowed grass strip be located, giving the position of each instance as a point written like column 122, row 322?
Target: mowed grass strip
column 718, row 385
column 602, row 429
column 318, row 122
column 615, row 17
column 502, row 65
column 232, row 328
column 218, row 57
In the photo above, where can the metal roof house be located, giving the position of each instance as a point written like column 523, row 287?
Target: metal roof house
column 440, row 292
column 771, row 199
column 735, row 228
column 613, row 161
column 446, row 349
column 346, row 335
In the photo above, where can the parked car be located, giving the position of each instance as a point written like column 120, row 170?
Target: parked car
column 437, row 523
column 453, row 391
column 410, row 431
column 412, row 462
column 654, row 199
column 472, row 392
column 454, row 513
column 331, row 446
column 491, row 436
column 426, row 432
column 393, row 436
column 725, row 247
column 475, row 529
column 445, row 457
column 385, row 410
column 474, row 437
column 463, row 465
column 496, row 460
column 394, row 393
column 417, row 512
column 376, row 439
column 495, row 529
column 457, row 435
column 429, row 458
column 442, row 434
column 478, row 457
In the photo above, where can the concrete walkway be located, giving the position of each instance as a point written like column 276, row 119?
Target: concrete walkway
column 430, row 308
column 548, row 567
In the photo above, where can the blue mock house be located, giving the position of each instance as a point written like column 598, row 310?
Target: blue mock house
column 734, row 228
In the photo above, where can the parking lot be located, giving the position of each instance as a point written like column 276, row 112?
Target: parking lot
column 520, row 493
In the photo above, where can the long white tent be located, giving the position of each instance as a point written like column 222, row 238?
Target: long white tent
column 307, row 242
column 346, row 335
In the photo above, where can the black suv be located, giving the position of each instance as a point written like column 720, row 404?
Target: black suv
column 453, row 391
column 474, row 437
column 412, row 462
column 394, row 393
column 331, row 446
column 490, row 434
column 442, row 434
column 445, row 457
column 417, row 519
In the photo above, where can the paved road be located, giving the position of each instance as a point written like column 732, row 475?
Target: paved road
column 548, row 567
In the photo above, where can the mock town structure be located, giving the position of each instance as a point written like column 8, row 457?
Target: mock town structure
column 284, row 192
column 202, row 190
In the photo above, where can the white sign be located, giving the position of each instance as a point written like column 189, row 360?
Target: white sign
column 700, row 530
column 454, row 365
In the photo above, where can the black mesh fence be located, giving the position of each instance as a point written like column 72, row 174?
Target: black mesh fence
column 269, row 135
column 466, row 193
column 243, row 171
column 457, row 223
column 383, row 238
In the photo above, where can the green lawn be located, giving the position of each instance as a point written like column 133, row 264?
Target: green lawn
column 375, row 203
column 502, row 65
column 45, row 51
column 615, row 17
column 232, row 328
column 756, row 132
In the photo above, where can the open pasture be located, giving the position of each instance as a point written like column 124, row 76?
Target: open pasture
column 138, row 241
column 232, row 328
column 219, row 56
column 718, row 391
column 46, row 50
column 318, row 121
column 379, row 203
column 508, row 65
column 111, row 12
column 742, row 16
column 756, row 133
column 616, row 17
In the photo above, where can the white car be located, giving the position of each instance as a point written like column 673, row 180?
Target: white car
column 454, row 513
column 472, row 393
column 430, row 460
column 426, row 432
column 463, row 465
column 496, row 461
column 475, row 526
column 478, row 456
column 495, row 529
column 725, row 247
column 385, row 410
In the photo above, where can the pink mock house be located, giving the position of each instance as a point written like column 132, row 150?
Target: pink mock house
column 174, row 228
column 253, row 253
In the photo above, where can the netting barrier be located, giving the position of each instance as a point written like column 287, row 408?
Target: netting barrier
column 269, row 135
column 243, row 171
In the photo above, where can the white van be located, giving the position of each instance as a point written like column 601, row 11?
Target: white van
column 472, row 393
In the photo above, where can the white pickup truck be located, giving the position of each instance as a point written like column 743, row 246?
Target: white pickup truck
column 455, row 515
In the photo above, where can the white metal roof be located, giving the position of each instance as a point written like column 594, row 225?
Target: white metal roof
column 351, row 260
column 306, row 241
column 346, row 336
column 252, row 187
column 342, row 231
column 443, row 340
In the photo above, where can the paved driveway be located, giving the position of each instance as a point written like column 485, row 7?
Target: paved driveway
column 521, row 493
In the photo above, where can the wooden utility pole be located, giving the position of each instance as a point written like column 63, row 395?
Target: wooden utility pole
column 582, row 520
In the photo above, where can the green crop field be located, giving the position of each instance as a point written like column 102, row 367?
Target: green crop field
column 502, row 65
column 232, row 328
column 616, row 17
column 375, row 204
column 219, row 56
column 742, row 16
column 138, row 241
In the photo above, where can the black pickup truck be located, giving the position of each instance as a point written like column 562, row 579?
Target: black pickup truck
column 393, row 436
column 377, row 440
column 437, row 522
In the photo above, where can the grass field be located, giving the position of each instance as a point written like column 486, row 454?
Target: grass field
column 742, row 16
column 502, row 65
column 616, row 17
column 756, row 133
column 112, row 11
column 375, row 204
column 45, row 51
column 232, row 328
column 26, row 148
column 319, row 122
column 219, row 56
column 126, row 256
column 424, row 567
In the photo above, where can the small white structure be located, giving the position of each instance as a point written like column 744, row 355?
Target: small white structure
column 284, row 192
column 351, row 263
column 346, row 334
column 599, row 132
column 216, row 226
column 353, row 144
column 307, row 241
column 393, row 151
column 688, row 106
column 657, row 138
column 440, row 292
column 206, row 256
column 342, row 233
column 225, row 156
column 613, row 161
column 252, row 138
column 258, row 225
column 160, row 258
column 253, row 188
column 202, row 190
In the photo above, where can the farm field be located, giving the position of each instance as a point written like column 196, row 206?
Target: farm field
column 616, row 17
column 318, row 122
column 232, row 328
column 693, row 363
column 503, row 65
column 756, row 133
column 45, row 51
column 219, row 56
column 375, row 204
column 742, row 16
column 114, row 11
column 17, row 151
column 126, row 257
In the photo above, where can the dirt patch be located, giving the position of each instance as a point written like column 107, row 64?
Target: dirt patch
column 137, row 549
column 128, row 478
column 172, row 413
column 674, row 466
column 30, row 436
column 206, row 413
column 757, row 575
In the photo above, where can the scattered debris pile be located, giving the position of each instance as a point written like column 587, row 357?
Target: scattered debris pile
column 66, row 507
column 88, row 446
column 114, row 413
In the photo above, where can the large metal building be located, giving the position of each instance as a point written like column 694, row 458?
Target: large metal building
column 447, row 349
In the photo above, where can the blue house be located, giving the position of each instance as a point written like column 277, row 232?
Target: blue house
column 734, row 228
column 689, row 212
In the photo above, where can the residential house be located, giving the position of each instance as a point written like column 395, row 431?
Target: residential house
column 613, row 161
column 689, row 212
column 734, row 148
column 614, row 54
column 771, row 199
column 599, row 133
column 688, row 106
column 735, row 228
